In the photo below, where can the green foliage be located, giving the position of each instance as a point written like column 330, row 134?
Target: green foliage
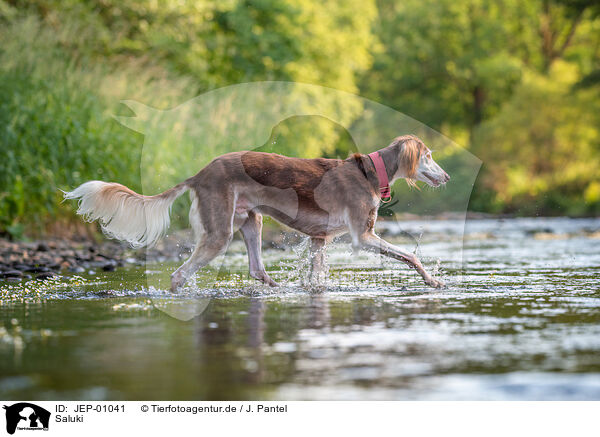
column 486, row 74
column 65, row 64
column 545, row 155
column 56, row 124
column 516, row 82
column 221, row 43
column 445, row 63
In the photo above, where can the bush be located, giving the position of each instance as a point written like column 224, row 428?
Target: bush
column 57, row 129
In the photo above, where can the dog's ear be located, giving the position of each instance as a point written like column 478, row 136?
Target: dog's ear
column 410, row 155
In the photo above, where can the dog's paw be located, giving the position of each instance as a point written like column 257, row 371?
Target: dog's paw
column 262, row 276
column 177, row 282
column 434, row 283
column 268, row 281
column 272, row 283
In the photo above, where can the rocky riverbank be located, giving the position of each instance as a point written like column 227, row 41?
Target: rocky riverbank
column 43, row 259
column 46, row 258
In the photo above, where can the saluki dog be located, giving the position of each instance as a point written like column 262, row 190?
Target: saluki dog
column 321, row 198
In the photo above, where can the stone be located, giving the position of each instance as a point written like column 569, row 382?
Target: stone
column 65, row 265
column 45, row 275
column 37, row 269
column 12, row 274
column 108, row 267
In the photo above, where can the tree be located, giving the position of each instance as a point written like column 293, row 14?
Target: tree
column 447, row 63
column 558, row 24
column 65, row 64
column 541, row 153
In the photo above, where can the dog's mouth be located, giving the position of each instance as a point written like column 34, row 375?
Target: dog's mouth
column 434, row 182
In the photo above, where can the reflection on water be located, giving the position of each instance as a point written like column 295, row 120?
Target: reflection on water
column 522, row 322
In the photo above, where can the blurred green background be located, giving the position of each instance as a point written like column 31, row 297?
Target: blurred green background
column 515, row 82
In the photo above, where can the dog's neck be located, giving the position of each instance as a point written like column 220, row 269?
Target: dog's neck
column 390, row 156
column 391, row 159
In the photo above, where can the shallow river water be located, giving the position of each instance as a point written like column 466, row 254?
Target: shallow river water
column 519, row 319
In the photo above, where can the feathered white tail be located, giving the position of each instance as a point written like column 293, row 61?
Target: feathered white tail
column 124, row 214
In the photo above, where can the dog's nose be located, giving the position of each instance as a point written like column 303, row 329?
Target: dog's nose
column 447, row 176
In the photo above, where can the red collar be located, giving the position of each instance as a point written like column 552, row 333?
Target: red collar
column 384, row 183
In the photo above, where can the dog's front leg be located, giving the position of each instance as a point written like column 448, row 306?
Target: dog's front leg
column 371, row 241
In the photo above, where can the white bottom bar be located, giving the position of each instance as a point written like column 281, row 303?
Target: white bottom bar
column 315, row 418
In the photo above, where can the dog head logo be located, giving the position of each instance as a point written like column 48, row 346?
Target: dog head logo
column 26, row 416
column 289, row 119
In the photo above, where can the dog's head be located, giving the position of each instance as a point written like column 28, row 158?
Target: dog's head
column 415, row 162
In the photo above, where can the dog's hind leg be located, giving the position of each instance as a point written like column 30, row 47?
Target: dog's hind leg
column 206, row 250
column 251, row 231
column 318, row 262
column 213, row 227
